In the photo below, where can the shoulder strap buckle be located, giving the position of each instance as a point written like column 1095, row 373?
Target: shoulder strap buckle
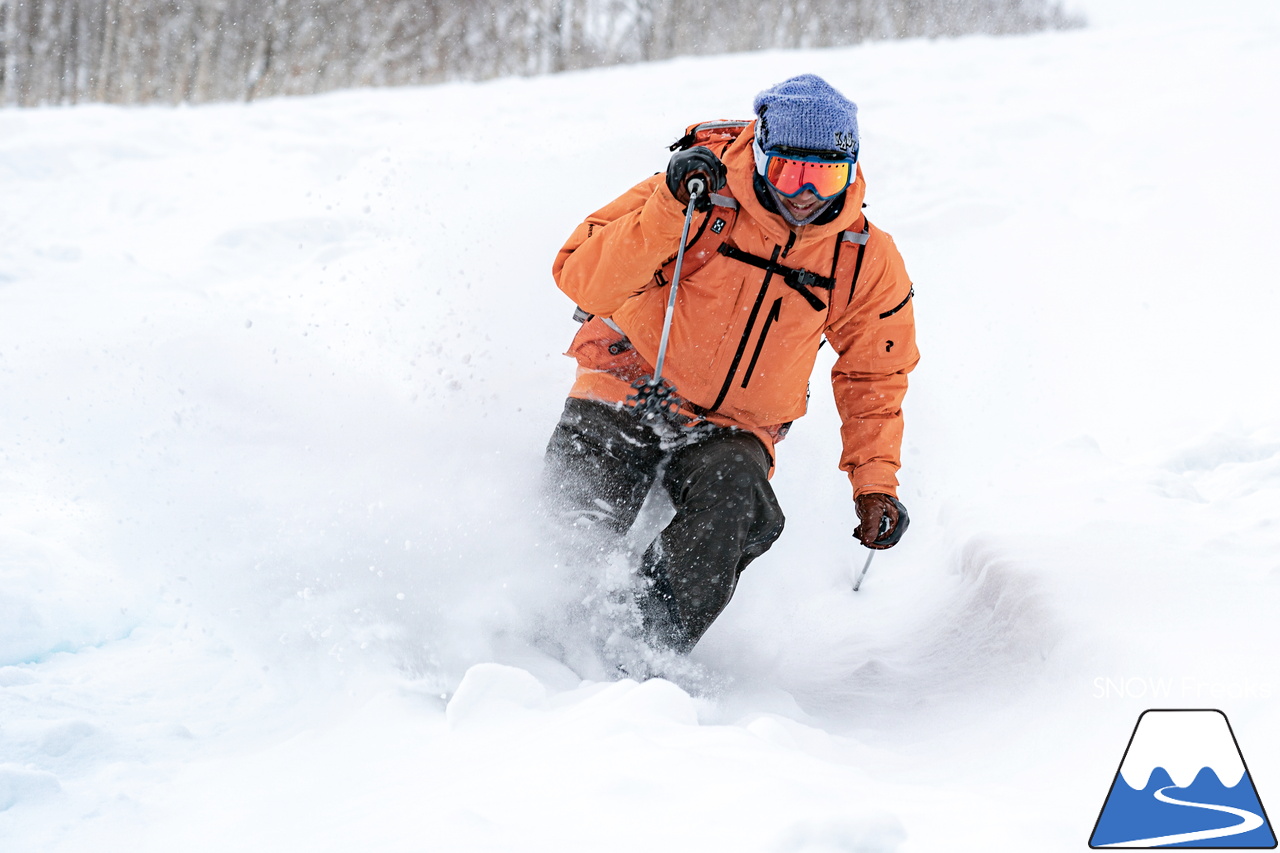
column 805, row 278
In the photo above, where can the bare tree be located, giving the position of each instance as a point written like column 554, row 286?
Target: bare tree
column 135, row 51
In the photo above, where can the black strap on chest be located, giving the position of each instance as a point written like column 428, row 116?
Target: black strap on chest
column 798, row 280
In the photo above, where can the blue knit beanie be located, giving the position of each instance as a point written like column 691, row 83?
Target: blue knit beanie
column 806, row 112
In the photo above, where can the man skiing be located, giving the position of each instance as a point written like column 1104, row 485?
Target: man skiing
column 779, row 257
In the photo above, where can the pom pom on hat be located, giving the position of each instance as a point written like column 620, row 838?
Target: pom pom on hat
column 806, row 112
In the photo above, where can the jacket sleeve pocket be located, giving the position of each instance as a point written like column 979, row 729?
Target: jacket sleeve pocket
column 893, row 346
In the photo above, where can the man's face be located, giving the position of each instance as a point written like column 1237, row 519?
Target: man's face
column 802, row 206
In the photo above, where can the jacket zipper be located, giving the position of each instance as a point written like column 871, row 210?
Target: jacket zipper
column 778, row 251
column 774, row 313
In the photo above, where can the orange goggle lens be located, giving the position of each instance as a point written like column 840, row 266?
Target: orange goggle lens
column 791, row 176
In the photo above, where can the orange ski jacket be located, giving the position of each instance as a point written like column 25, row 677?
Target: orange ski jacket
column 743, row 340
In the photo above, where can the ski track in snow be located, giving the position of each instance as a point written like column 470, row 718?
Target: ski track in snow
column 275, row 380
column 1248, row 822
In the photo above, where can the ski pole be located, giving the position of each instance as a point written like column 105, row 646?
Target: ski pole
column 884, row 528
column 862, row 574
column 696, row 187
column 653, row 396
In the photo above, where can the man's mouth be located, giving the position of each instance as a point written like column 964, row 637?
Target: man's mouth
column 799, row 210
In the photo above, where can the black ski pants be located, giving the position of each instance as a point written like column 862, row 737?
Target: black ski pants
column 600, row 464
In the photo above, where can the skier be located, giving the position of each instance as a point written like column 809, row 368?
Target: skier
column 782, row 257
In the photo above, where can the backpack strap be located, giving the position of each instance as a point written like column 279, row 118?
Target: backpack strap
column 710, row 237
column 582, row 316
column 845, row 266
column 718, row 222
column 799, row 280
column 848, row 264
column 708, row 133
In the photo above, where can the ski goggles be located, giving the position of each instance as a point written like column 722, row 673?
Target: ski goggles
column 792, row 172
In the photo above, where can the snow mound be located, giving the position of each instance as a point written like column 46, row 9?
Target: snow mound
column 24, row 783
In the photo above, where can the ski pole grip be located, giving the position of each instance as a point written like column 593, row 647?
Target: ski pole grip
column 696, row 186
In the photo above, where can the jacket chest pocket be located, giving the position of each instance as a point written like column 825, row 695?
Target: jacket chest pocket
column 780, row 334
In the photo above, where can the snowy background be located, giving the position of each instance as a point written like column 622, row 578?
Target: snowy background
column 275, row 381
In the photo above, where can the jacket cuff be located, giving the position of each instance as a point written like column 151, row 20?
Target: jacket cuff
column 875, row 477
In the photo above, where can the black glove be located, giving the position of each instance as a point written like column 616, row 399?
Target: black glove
column 691, row 164
column 883, row 520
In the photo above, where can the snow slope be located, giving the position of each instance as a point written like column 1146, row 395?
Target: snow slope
column 275, row 380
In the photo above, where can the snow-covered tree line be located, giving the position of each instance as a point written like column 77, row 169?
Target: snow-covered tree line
column 136, row 51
